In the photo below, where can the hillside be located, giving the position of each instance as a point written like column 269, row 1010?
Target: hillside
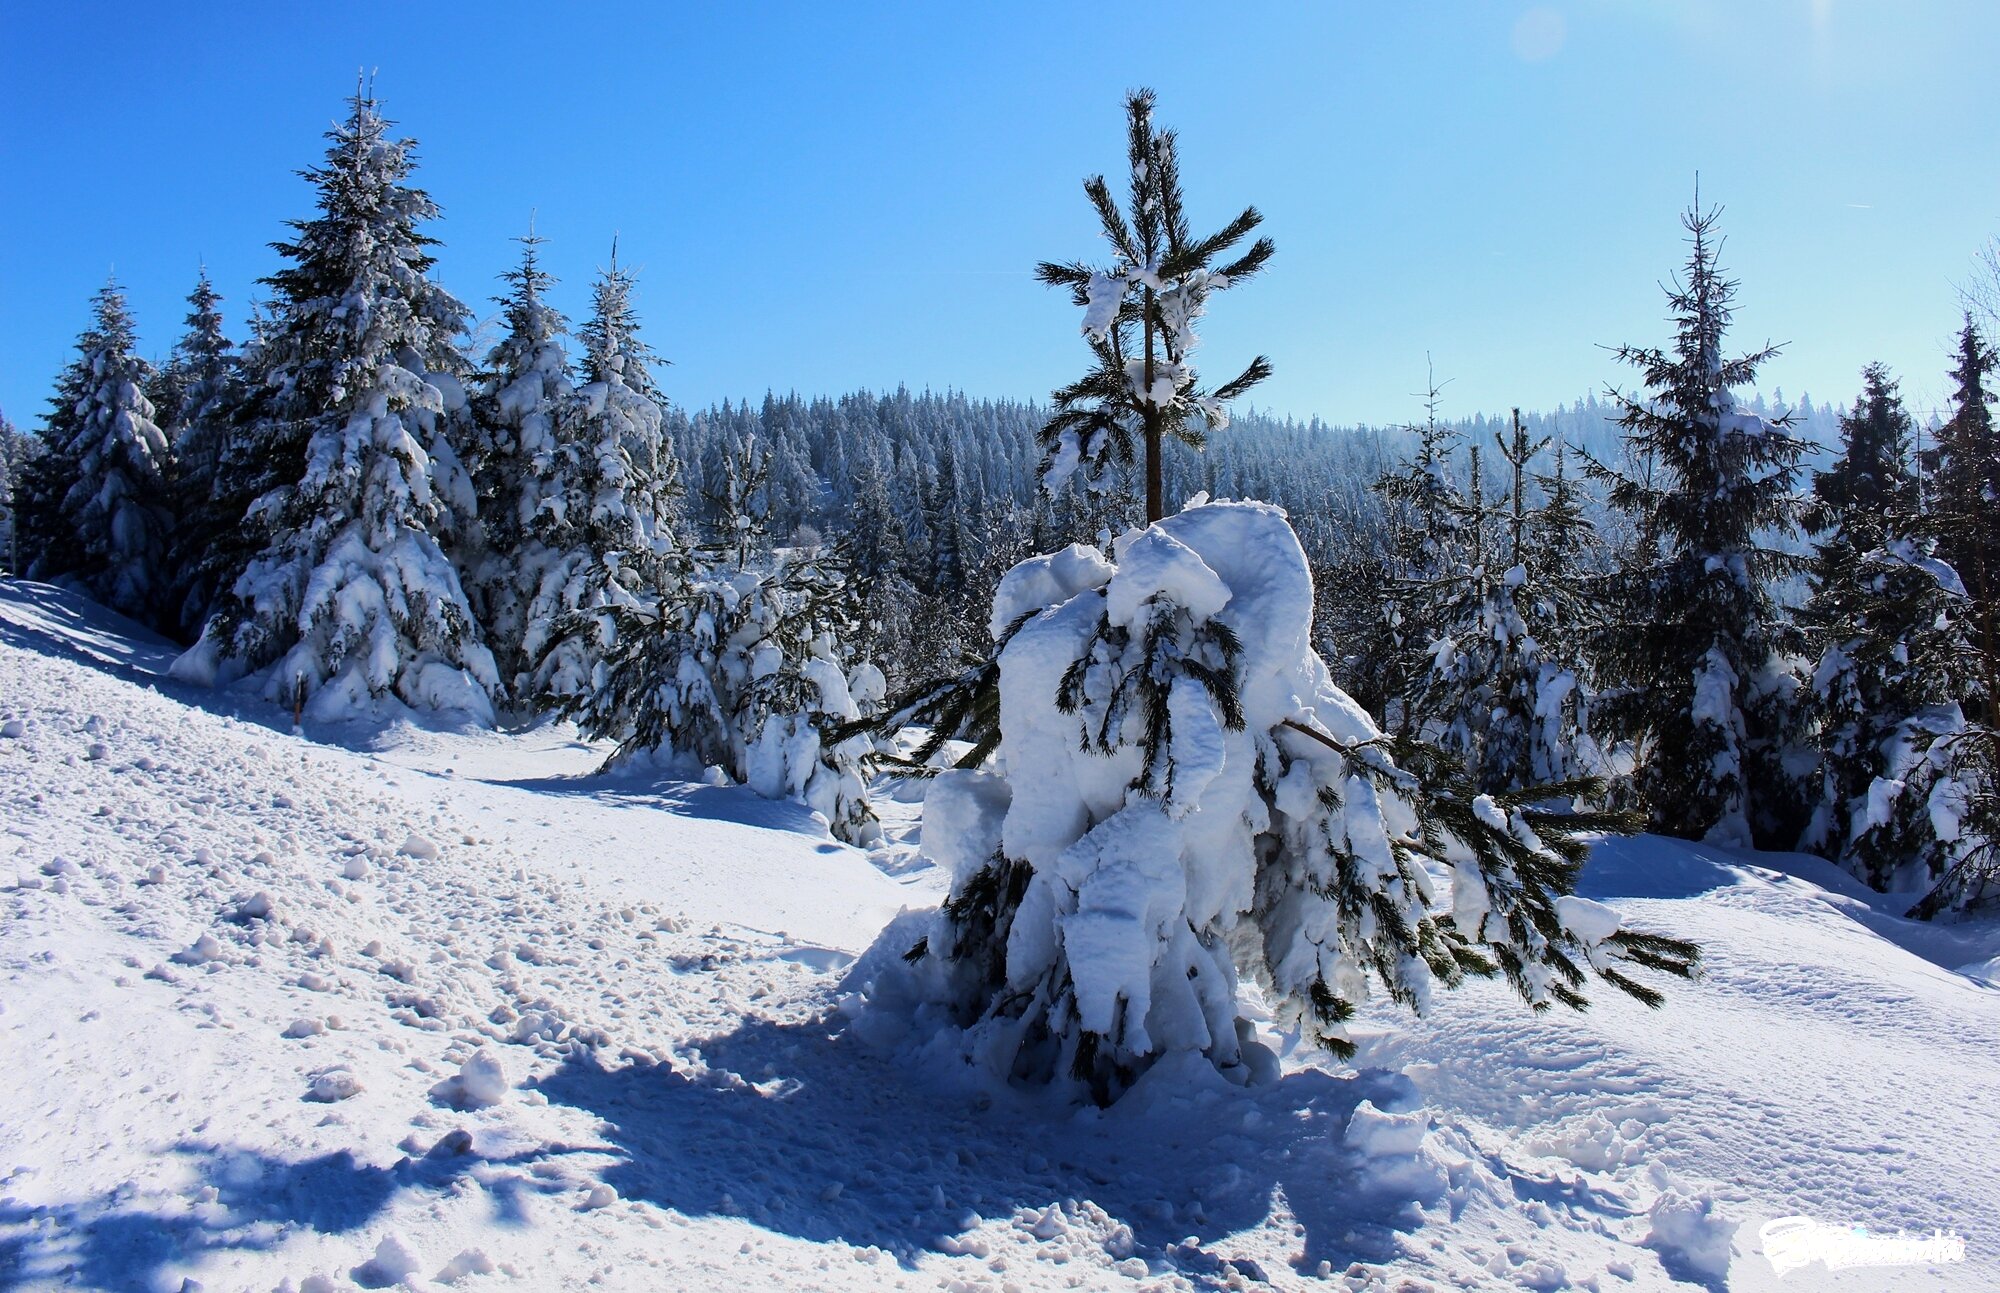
column 379, row 1005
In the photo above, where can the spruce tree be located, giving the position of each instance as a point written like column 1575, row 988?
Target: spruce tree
column 118, row 506
column 620, row 387
column 745, row 662
column 17, row 452
column 944, row 508
column 1164, row 792
column 1967, row 502
column 47, row 540
column 1427, row 517
column 1892, row 621
column 604, row 517
column 522, row 404
column 1139, row 317
column 1504, row 687
column 1700, row 652
column 357, row 482
column 207, row 512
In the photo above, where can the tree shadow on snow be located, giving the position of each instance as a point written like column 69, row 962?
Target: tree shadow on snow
column 125, row 1238
column 1641, row 866
column 816, row 1137
column 652, row 788
column 66, row 626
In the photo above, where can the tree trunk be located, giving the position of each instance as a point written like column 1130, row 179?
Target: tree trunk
column 1150, row 415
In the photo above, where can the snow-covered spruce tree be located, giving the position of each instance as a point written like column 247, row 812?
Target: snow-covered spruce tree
column 1503, row 690
column 521, row 405
column 1892, row 623
column 1166, row 792
column 351, row 595
column 945, row 517
column 607, row 515
column 878, row 553
column 1139, row 317
column 744, row 663
column 47, row 538
column 1961, row 508
column 17, row 451
column 1181, row 797
column 619, row 361
column 1966, row 501
column 208, row 380
column 119, row 506
column 1387, row 627
column 1705, row 680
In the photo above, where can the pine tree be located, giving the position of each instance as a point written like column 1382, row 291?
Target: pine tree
column 944, row 510
column 118, row 506
column 1427, row 516
column 611, row 341
column 1139, row 318
column 1967, row 502
column 605, row 516
column 207, row 514
column 745, row 663
column 619, row 362
column 17, row 452
column 877, row 543
column 1503, row 690
column 1164, row 791
column 1893, row 624
column 1700, row 651
column 357, row 481
column 521, row 406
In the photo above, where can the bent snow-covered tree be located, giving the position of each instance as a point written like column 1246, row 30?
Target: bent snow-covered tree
column 1165, row 793
column 1139, row 317
column 1181, row 798
column 352, row 596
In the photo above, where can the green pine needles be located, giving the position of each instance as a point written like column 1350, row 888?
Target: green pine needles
column 1139, row 317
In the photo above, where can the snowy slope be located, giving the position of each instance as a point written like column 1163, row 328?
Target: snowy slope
column 440, row 1007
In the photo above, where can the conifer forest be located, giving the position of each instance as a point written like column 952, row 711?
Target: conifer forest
column 476, row 816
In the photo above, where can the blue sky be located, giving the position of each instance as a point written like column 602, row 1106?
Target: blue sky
column 827, row 196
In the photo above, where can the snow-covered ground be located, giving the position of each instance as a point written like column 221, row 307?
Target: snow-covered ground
column 401, row 1004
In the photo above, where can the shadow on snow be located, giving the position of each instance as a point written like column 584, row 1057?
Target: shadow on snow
column 127, row 1238
column 814, row 1136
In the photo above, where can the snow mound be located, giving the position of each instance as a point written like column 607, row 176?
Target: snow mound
column 1691, row 1235
column 481, row 1081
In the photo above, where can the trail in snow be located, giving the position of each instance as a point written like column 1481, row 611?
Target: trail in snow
column 403, row 1004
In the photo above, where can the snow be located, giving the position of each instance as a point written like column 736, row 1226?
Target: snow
column 681, row 1102
column 481, row 1081
column 1045, row 581
column 1592, row 922
column 1691, row 1236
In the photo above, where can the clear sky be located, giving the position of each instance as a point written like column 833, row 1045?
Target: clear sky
column 827, row 196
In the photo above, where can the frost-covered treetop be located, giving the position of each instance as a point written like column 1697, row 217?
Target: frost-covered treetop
column 1139, row 318
column 357, row 294
column 612, row 347
column 1729, row 472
